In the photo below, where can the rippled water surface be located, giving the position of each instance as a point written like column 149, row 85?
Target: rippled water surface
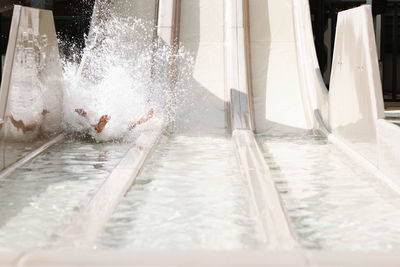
column 11, row 152
column 40, row 199
column 332, row 203
column 189, row 196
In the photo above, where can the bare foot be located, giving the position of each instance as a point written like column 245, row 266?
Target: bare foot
column 81, row 112
column 102, row 123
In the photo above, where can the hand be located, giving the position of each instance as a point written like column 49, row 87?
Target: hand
column 80, row 111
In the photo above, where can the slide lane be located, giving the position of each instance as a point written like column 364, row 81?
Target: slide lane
column 350, row 117
column 28, row 187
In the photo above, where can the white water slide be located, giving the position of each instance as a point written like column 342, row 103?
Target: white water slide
column 288, row 90
column 255, row 77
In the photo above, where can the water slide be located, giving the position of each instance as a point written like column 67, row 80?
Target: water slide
column 288, row 91
column 290, row 99
column 254, row 77
column 202, row 122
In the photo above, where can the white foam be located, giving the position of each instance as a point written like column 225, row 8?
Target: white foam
column 123, row 74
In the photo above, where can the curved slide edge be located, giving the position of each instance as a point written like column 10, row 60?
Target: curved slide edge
column 356, row 109
column 351, row 114
column 312, row 85
column 272, row 224
column 355, row 96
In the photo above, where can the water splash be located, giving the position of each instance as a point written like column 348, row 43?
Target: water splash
column 124, row 72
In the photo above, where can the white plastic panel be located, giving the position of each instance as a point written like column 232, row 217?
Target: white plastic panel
column 277, row 96
column 355, row 96
column 237, row 74
column 314, row 90
column 202, row 35
column 34, row 66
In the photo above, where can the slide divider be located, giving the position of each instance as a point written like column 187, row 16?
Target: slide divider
column 273, row 225
column 92, row 218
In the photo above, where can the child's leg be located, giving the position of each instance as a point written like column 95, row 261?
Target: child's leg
column 142, row 120
column 147, row 117
column 21, row 125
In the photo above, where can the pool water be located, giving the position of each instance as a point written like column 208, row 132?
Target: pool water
column 41, row 198
column 10, row 152
column 332, row 203
column 190, row 196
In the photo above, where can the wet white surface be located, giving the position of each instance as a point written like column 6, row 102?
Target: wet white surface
column 332, row 203
column 190, row 196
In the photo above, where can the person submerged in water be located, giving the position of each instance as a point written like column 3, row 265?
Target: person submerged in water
column 98, row 127
column 101, row 124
